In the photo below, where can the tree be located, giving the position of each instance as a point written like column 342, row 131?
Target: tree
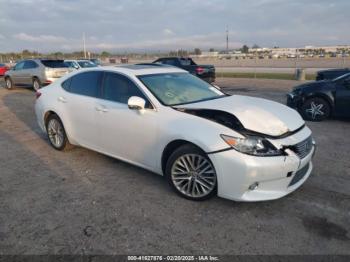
column 105, row 54
column 197, row 51
column 245, row 49
column 211, row 50
column 255, row 46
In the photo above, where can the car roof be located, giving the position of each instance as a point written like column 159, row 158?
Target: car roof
column 142, row 69
column 335, row 70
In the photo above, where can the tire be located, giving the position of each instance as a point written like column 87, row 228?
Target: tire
column 315, row 109
column 56, row 133
column 8, row 83
column 36, row 84
column 191, row 174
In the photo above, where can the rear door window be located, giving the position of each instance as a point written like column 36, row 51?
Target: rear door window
column 87, row 84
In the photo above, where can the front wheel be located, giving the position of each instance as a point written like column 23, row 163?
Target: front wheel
column 191, row 174
column 56, row 133
column 315, row 109
column 8, row 83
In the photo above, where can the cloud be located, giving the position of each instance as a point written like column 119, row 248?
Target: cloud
column 40, row 38
column 168, row 32
column 164, row 24
column 214, row 40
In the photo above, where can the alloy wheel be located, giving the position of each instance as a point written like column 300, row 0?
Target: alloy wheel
column 8, row 83
column 36, row 85
column 315, row 110
column 55, row 132
column 193, row 175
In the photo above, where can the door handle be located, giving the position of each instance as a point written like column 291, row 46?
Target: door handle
column 62, row 99
column 101, row 109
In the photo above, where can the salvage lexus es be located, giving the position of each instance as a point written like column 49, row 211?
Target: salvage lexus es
column 168, row 121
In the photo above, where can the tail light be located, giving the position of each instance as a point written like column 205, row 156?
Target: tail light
column 200, row 70
column 37, row 94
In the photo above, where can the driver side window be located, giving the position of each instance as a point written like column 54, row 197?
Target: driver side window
column 19, row 66
column 119, row 88
column 346, row 82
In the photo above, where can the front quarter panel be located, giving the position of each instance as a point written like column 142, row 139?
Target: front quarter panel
column 203, row 133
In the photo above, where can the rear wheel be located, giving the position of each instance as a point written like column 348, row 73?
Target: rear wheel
column 191, row 174
column 36, row 84
column 316, row 109
column 56, row 133
column 8, row 83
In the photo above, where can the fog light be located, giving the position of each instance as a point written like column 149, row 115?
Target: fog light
column 253, row 186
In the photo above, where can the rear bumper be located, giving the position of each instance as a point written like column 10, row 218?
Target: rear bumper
column 275, row 177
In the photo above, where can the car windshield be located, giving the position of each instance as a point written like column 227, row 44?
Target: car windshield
column 86, row 64
column 341, row 77
column 179, row 88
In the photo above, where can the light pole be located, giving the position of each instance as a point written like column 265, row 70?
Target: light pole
column 84, row 46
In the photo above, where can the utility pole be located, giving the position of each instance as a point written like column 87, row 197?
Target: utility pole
column 226, row 39
column 84, row 46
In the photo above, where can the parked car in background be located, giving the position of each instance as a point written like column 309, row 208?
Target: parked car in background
column 319, row 100
column 205, row 72
column 35, row 73
column 3, row 69
column 166, row 120
column 96, row 61
column 331, row 73
column 78, row 64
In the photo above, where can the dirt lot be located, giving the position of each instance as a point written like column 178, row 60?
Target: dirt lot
column 82, row 202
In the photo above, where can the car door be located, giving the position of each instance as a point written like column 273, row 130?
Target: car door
column 342, row 98
column 17, row 73
column 79, row 107
column 28, row 72
column 127, row 134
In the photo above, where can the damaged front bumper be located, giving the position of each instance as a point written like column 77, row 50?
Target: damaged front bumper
column 243, row 177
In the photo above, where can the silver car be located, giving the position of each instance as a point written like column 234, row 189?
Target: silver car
column 35, row 73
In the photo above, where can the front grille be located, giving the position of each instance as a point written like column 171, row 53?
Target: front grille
column 299, row 175
column 303, row 148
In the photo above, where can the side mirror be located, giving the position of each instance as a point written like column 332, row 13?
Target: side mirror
column 136, row 103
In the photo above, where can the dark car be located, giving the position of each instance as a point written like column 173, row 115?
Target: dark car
column 319, row 100
column 205, row 72
column 331, row 73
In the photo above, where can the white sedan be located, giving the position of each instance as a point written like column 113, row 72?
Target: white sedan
column 172, row 123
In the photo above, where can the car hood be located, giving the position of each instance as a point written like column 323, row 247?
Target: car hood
column 314, row 85
column 255, row 114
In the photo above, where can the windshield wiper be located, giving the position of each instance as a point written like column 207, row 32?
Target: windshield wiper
column 198, row 101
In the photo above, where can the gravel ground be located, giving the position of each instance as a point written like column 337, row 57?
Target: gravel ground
column 82, row 202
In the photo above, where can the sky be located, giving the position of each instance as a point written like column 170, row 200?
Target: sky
column 162, row 25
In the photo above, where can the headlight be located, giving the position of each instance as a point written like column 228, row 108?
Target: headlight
column 252, row 145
